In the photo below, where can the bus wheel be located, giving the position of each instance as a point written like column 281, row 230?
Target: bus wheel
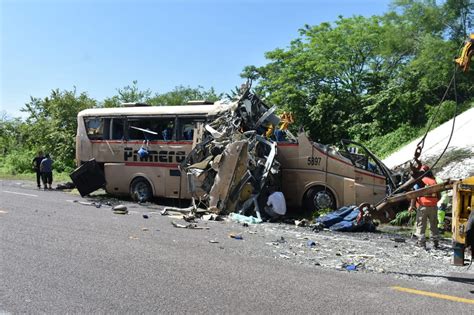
column 140, row 190
column 319, row 198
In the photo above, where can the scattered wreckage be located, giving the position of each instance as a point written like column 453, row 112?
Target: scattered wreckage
column 231, row 167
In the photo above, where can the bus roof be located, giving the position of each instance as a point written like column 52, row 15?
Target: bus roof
column 207, row 110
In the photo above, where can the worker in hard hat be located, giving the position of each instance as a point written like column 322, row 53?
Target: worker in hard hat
column 426, row 210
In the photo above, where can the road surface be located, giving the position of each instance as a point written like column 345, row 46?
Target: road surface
column 60, row 256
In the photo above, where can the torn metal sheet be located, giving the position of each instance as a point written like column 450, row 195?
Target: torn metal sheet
column 232, row 167
column 234, row 163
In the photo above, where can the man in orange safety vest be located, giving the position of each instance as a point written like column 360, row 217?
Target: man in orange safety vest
column 426, row 210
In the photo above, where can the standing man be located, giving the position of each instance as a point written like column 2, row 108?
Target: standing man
column 46, row 168
column 426, row 210
column 36, row 166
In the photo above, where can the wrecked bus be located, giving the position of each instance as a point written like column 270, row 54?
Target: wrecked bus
column 140, row 149
column 117, row 137
column 317, row 176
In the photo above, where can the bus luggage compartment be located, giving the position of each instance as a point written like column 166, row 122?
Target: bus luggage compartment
column 88, row 177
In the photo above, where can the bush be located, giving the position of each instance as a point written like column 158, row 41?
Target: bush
column 384, row 145
column 18, row 162
column 404, row 218
column 444, row 112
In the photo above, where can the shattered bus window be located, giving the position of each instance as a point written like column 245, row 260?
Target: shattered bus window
column 117, row 126
column 96, row 128
column 151, row 128
column 186, row 127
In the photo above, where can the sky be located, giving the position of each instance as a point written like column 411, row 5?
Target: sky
column 102, row 45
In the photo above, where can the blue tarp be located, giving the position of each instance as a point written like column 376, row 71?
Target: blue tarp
column 345, row 220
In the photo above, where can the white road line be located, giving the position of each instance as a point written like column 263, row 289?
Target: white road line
column 17, row 193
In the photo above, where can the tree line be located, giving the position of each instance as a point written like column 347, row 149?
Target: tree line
column 378, row 80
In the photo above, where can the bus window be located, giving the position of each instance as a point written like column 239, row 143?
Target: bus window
column 97, row 128
column 117, row 129
column 152, row 128
column 186, row 128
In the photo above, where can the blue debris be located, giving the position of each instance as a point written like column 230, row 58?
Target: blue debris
column 351, row 267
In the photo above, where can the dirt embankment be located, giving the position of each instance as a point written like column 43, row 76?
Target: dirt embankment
column 457, row 162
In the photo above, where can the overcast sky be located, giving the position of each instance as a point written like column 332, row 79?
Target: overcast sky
column 99, row 46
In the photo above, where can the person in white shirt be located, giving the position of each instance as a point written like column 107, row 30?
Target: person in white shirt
column 276, row 204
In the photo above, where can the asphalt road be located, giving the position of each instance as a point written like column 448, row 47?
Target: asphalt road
column 60, row 256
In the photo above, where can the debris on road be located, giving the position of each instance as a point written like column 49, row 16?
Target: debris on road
column 120, row 209
column 192, row 226
column 65, row 186
column 244, row 219
column 348, row 219
column 236, row 236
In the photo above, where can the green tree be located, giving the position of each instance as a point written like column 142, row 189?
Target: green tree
column 366, row 77
column 10, row 134
column 128, row 94
column 181, row 95
column 52, row 123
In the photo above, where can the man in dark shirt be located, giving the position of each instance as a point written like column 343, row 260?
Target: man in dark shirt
column 46, row 168
column 36, row 166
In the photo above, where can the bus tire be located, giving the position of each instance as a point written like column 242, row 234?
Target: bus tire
column 319, row 198
column 140, row 190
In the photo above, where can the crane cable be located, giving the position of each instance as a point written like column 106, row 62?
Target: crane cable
column 421, row 143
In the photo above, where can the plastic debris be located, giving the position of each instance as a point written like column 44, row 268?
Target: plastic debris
column 351, row 267
column 236, row 236
column 310, row 243
column 244, row 219
column 192, row 226
column 145, row 216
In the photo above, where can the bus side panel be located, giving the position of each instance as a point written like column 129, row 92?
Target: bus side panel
column 371, row 187
column 380, row 189
column 173, row 179
column 287, row 155
column 119, row 177
column 316, row 158
column 117, row 180
column 289, row 183
column 296, row 182
column 110, row 151
column 83, row 144
column 349, row 191
column 364, row 187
